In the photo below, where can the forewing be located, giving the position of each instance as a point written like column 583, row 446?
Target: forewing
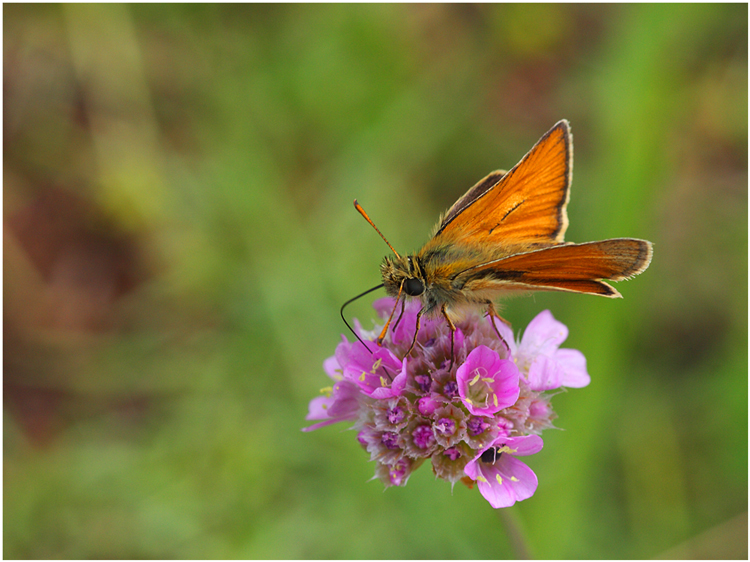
column 580, row 268
column 475, row 192
column 527, row 204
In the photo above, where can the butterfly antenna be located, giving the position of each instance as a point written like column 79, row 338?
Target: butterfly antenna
column 372, row 224
column 356, row 335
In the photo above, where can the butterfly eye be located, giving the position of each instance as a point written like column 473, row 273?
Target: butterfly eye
column 413, row 287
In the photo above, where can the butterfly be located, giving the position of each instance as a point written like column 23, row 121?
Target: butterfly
column 505, row 236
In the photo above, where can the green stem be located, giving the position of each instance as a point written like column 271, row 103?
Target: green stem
column 513, row 531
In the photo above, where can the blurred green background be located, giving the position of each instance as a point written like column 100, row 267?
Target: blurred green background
column 179, row 236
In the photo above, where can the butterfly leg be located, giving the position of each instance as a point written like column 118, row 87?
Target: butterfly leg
column 416, row 332
column 384, row 331
column 452, row 326
column 401, row 314
column 492, row 313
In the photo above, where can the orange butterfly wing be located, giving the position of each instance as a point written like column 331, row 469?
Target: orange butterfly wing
column 527, row 204
column 579, row 268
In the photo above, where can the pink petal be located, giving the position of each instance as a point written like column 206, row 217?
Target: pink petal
column 392, row 391
column 543, row 335
column 499, row 495
column 545, row 374
column 522, row 446
column 573, row 363
column 332, row 368
column 365, row 368
column 318, row 408
column 345, row 401
column 518, row 478
column 343, row 404
column 472, row 467
column 383, row 306
column 319, row 425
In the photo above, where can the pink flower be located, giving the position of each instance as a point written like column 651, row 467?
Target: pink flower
column 486, row 383
column 501, row 478
column 376, row 370
column 543, row 365
column 340, row 402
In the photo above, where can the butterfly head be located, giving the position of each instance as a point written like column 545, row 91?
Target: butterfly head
column 402, row 274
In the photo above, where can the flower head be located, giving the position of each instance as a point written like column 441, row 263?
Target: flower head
column 471, row 414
